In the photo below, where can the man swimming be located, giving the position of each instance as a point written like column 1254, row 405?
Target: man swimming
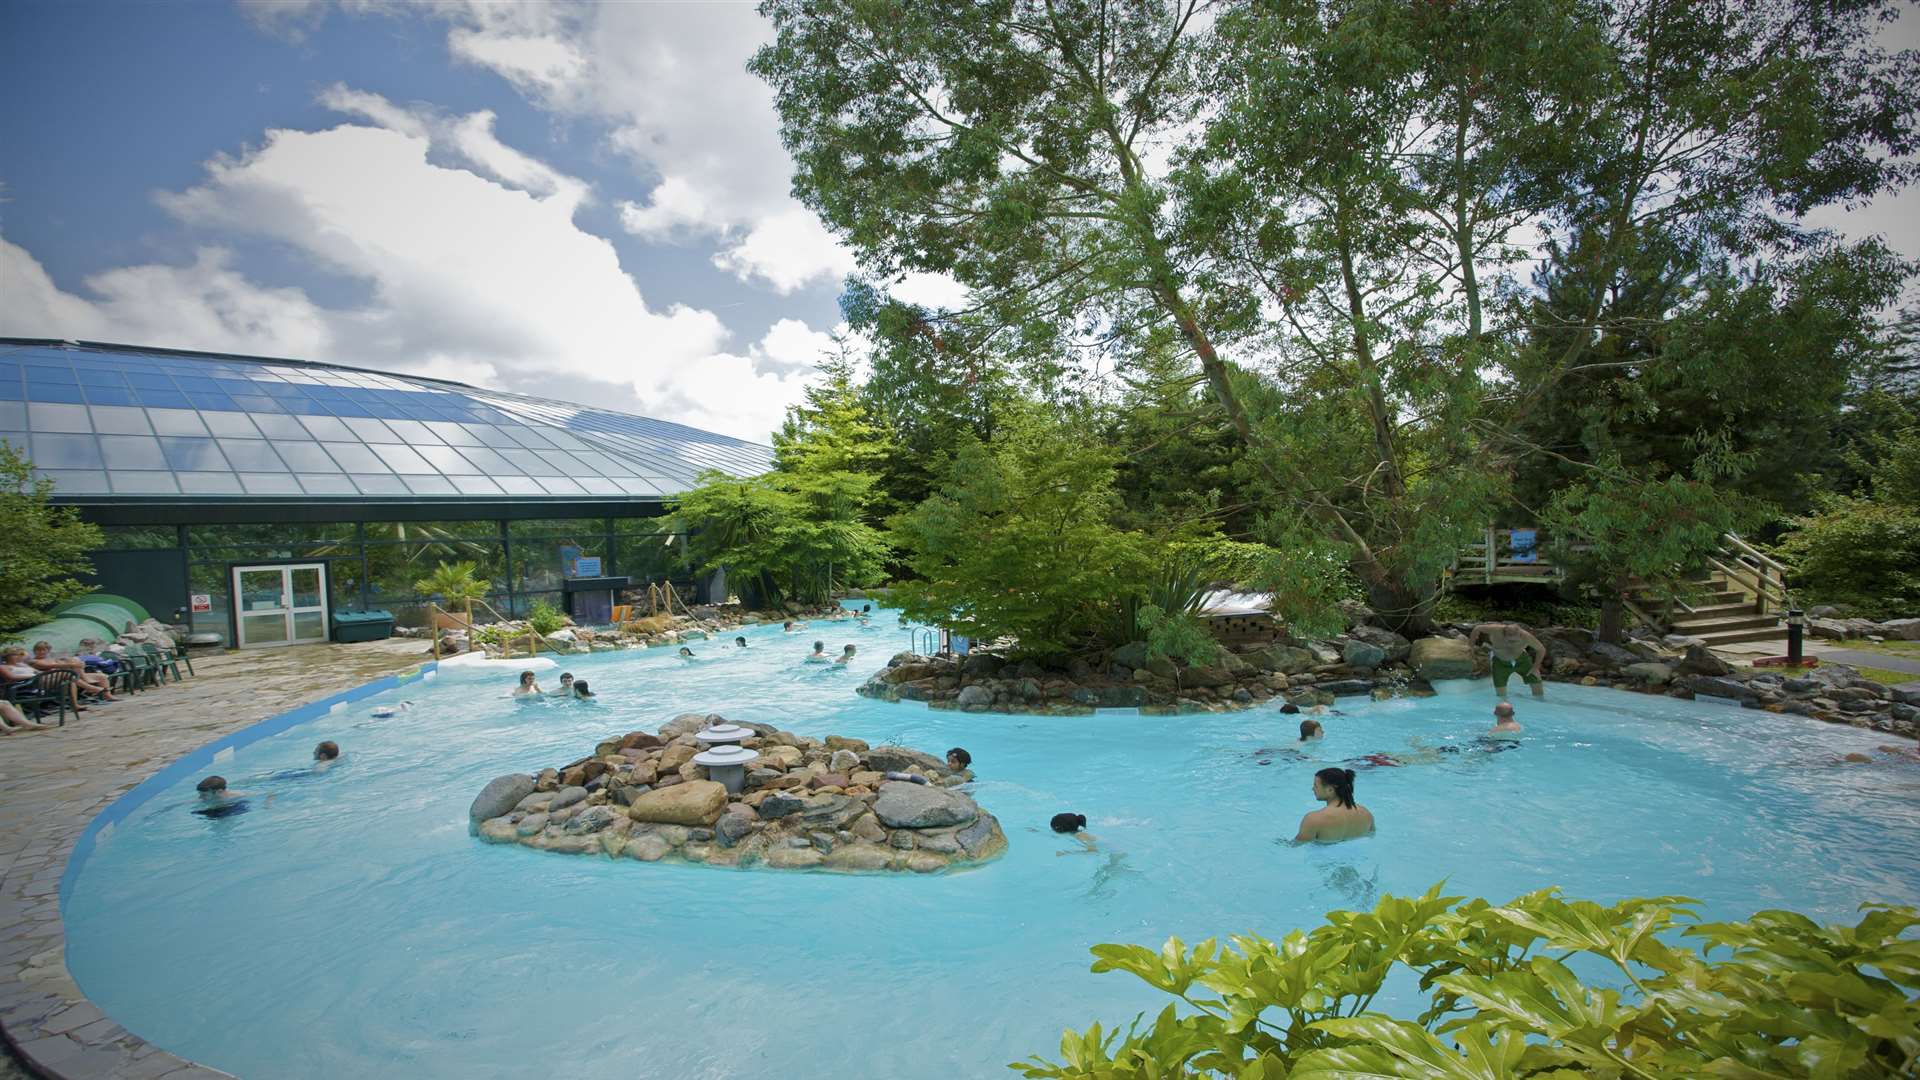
column 846, row 656
column 1311, row 730
column 217, row 802
column 819, row 653
column 1504, row 725
column 1514, row 650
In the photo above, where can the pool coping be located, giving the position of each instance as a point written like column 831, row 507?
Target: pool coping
column 65, row 1036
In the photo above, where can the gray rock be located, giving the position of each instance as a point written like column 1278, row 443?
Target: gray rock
column 501, row 795
column 1133, row 654
column 1285, row 659
column 1206, row 675
column 902, row 840
column 591, row 820
column 732, row 828
column 1395, row 646
column 822, row 840
column 1348, row 687
column 1901, row 629
column 913, row 806
column 1365, row 654
column 538, row 801
column 974, row 697
column 779, row 805
column 1700, row 660
column 831, row 811
column 975, row 836
column 1651, row 674
column 843, row 761
column 982, row 665
column 567, row 796
column 1718, row 686
column 1610, row 656
column 531, row 824
column 1829, row 611
column 1323, row 653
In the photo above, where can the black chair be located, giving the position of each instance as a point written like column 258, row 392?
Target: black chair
column 48, row 690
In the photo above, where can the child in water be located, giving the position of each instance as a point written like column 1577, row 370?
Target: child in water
column 217, row 802
column 1074, row 825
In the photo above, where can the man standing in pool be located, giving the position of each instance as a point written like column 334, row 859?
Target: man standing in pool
column 1514, row 650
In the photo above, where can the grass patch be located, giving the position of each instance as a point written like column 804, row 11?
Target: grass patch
column 1908, row 649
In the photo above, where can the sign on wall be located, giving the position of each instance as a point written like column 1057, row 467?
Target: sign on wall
column 586, row 566
column 202, row 602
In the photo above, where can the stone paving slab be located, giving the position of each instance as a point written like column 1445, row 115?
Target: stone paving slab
column 53, row 783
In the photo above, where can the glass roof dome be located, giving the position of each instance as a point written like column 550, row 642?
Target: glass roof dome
column 108, row 423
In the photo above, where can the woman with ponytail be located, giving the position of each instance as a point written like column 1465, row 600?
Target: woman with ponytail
column 1341, row 818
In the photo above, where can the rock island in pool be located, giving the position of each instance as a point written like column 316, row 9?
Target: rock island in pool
column 801, row 803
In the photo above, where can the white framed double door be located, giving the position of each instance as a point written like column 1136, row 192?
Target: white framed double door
column 279, row 604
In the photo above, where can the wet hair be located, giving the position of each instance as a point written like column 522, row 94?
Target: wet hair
column 526, row 677
column 211, row 783
column 819, row 646
column 566, row 676
column 1341, row 781
column 1310, row 728
column 580, row 688
column 788, row 625
column 848, row 650
column 1289, row 708
column 866, row 607
column 326, row 751
column 684, row 651
column 740, row 641
column 1068, row 823
column 957, row 754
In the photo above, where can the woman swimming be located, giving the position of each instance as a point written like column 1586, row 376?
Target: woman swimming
column 1341, row 818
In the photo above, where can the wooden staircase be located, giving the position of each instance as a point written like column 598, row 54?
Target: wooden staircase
column 1739, row 596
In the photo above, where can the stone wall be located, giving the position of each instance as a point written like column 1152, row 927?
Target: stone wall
column 828, row 804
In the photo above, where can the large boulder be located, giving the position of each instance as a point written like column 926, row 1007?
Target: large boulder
column 922, row 806
column 1206, row 675
column 1902, row 629
column 1434, row 658
column 900, row 759
column 500, row 796
column 974, row 697
column 1701, row 660
column 1610, row 656
column 1132, row 654
column 695, row 802
column 1285, row 659
column 1648, row 672
column 1362, row 654
column 1395, row 646
column 1720, row 687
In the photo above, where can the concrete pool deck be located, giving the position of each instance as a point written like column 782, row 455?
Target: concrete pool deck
column 53, row 783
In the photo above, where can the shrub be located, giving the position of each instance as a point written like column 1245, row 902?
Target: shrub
column 1859, row 552
column 1776, row 995
column 545, row 618
column 454, row 583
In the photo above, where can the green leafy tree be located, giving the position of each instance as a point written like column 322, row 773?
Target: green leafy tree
column 1777, row 995
column 1019, row 540
column 42, row 546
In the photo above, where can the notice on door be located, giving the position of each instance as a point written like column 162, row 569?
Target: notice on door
column 201, row 602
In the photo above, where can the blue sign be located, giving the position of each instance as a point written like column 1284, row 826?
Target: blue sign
column 586, row 566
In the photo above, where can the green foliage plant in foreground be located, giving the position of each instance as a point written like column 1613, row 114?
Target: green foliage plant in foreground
column 544, row 618
column 1775, row 996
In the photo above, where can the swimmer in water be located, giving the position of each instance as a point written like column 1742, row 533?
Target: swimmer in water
column 959, row 761
column 566, row 685
column 527, row 687
column 790, row 626
column 846, row 656
column 819, row 653
column 1311, row 730
column 739, row 643
column 1074, row 825
column 581, row 691
column 218, row 802
column 1341, row 818
column 1504, row 725
column 686, row 653
column 325, row 755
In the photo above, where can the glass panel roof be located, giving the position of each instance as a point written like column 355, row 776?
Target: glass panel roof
column 105, row 420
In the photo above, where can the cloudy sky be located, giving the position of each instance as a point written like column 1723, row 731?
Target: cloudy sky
column 573, row 200
column 588, row 202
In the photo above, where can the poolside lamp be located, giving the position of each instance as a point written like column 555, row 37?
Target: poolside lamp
column 1796, row 628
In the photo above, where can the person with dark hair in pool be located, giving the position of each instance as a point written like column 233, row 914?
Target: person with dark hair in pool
column 217, row 802
column 1311, row 730
column 958, row 760
column 819, row 653
column 686, row 653
column 325, row 755
column 527, row 687
column 866, row 609
column 1074, row 825
column 1289, row 708
column 790, row 626
column 1341, row 818
column 581, row 692
column 739, row 643
column 846, row 656
column 566, row 685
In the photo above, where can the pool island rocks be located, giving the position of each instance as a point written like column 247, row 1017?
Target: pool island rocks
column 826, row 804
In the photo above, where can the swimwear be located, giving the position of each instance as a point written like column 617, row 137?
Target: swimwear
column 1503, row 669
column 227, row 809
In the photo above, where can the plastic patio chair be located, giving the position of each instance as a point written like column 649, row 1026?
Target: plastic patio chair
column 165, row 659
column 48, row 690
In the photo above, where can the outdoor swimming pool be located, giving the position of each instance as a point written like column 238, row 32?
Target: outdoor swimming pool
column 355, row 928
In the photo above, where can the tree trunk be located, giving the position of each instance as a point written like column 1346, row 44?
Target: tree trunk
column 1400, row 609
column 1613, row 611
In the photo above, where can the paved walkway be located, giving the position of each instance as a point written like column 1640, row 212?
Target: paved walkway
column 1884, row 661
column 53, row 783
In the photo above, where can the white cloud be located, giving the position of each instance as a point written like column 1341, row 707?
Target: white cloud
column 930, row 290
column 476, row 274
column 787, row 250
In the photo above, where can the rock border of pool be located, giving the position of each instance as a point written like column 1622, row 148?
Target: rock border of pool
column 51, row 1027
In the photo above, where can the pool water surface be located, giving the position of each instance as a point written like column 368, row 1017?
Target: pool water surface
column 354, row 927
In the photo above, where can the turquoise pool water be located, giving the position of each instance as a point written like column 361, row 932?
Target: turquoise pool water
column 354, row 928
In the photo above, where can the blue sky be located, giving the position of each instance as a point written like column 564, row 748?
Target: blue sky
column 583, row 201
column 577, row 200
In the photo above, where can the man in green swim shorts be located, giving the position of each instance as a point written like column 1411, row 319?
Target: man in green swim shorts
column 1514, row 650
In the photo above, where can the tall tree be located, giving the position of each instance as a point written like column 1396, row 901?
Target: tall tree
column 42, row 546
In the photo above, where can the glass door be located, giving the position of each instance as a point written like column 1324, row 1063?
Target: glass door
column 280, row 605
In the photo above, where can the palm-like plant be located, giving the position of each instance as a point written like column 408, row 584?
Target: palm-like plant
column 453, row 583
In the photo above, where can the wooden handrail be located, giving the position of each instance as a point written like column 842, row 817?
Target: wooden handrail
column 1734, row 541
